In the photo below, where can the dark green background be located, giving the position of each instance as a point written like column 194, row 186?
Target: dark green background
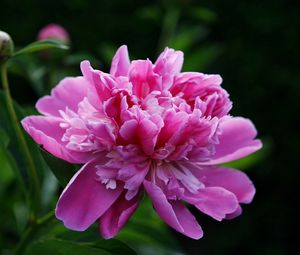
column 254, row 45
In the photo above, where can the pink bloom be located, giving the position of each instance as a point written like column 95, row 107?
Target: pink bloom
column 145, row 127
column 54, row 31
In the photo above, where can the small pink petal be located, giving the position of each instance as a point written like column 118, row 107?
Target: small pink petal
column 237, row 140
column 120, row 63
column 235, row 214
column 85, row 199
column 173, row 213
column 147, row 133
column 216, row 202
column 117, row 215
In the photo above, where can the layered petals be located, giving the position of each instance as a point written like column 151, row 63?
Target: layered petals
column 145, row 127
column 203, row 92
column 85, row 199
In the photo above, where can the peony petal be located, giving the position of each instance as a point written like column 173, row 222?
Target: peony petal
column 128, row 130
column 120, row 63
column 216, row 202
column 85, row 199
column 233, row 180
column 47, row 132
column 117, row 215
column 147, row 133
column 168, row 64
column 173, row 213
column 143, row 79
column 102, row 82
column 235, row 214
column 68, row 93
column 236, row 141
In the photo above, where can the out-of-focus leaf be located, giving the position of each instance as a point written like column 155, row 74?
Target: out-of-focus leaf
column 42, row 45
column 13, row 146
column 253, row 159
column 29, row 68
column 75, row 59
column 187, row 37
column 62, row 247
column 62, row 170
column 200, row 58
column 153, row 13
column 21, row 215
column 203, row 14
column 92, row 236
column 49, row 190
column 4, row 139
column 6, row 173
column 107, row 52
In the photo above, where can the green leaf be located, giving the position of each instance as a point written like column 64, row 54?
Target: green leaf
column 62, row 170
column 203, row 14
column 187, row 37
column 202, row 57
column 42, row 45
column 6, row 173
column 63, row 247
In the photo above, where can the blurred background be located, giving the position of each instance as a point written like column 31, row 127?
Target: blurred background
column 253, row 45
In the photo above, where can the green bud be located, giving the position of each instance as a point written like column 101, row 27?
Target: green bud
column 6, row 47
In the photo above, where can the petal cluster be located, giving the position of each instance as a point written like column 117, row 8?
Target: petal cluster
column 145, row 127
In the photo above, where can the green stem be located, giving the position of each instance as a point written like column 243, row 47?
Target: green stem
column 35, row 188
column 31, row 231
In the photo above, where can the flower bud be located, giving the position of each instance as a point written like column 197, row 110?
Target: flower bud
column 54, row 31
column 6, row 46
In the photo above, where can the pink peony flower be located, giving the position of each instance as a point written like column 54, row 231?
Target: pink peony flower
column 54, row 31
column 145, row 127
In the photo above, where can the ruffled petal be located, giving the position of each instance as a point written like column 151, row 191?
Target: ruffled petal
column 85, row 199
column 117, row 215
column 173, row 213
column 120, row 63
column 235, row 141
column 230, row 179
column 67, row 94
column 47, row 132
